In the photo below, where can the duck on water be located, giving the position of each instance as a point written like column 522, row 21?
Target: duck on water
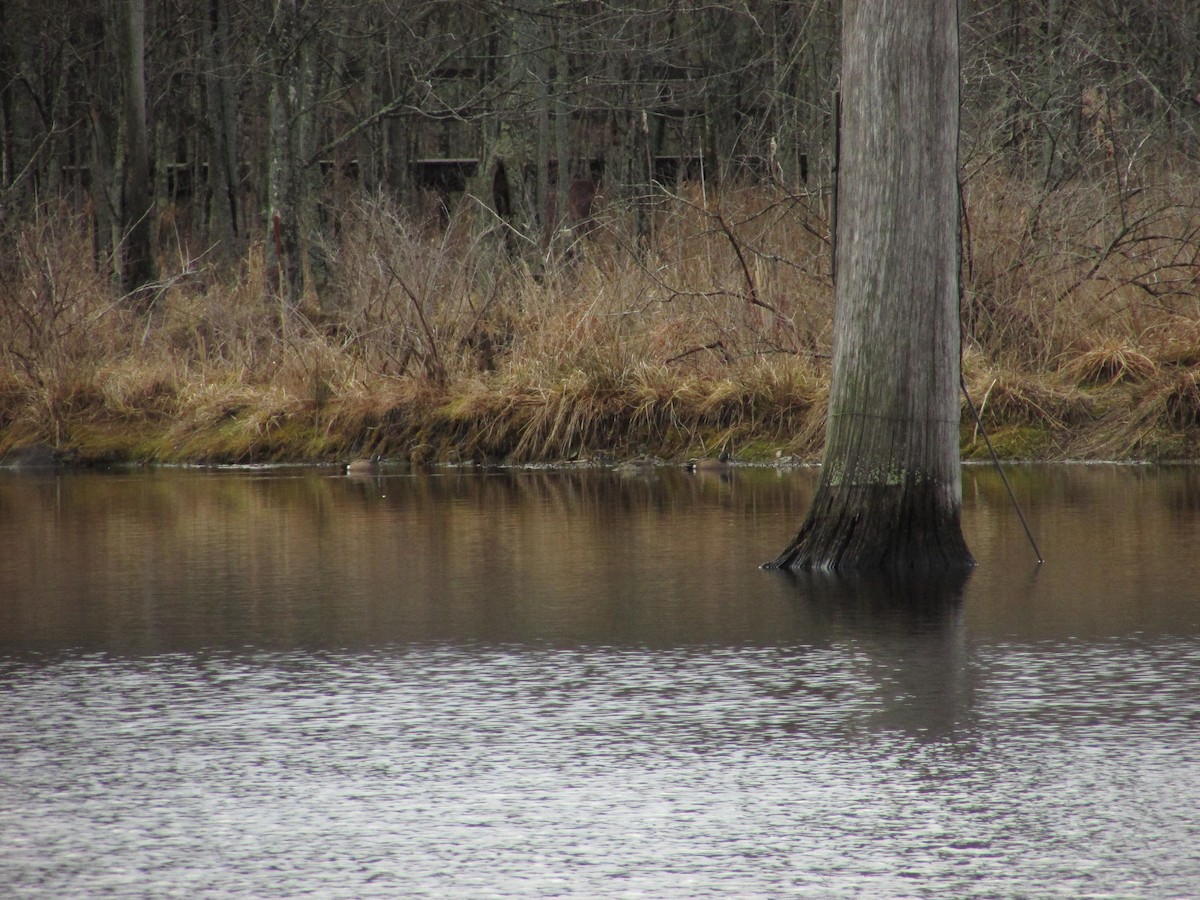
column 722, row 463
column 364, row 466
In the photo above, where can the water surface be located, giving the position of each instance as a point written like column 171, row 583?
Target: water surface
column 280, row 683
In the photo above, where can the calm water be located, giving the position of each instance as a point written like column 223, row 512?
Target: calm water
column 288, row 683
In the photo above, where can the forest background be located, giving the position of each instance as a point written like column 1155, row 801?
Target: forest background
column 239, row 230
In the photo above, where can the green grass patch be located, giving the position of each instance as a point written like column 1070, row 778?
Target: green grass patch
column 1012, row 442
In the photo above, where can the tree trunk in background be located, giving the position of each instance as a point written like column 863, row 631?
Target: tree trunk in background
column 138, row 269
column 563, row 219
column 509, row 180
column 222, row 127
column 1049, row 100
column 397, row 144
column 539, row 67
column 9, row 68
column 292, row 226
column 890, row 495
column 631, row 85
column 103, row 185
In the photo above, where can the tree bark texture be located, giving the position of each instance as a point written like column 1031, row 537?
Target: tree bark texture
column 512, row 177
column 292, row 228
column 222, row 171
column 890, row 495
column 137, row 196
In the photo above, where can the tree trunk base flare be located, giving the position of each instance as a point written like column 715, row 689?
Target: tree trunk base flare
column 913, row 527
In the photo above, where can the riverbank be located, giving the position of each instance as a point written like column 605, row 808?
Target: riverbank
column 775, row 412
column 432, row 344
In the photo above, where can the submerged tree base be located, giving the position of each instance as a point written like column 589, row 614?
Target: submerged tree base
column 909, row 528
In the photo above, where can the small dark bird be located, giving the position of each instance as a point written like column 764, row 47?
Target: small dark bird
column 364, row 466
column 708, row 464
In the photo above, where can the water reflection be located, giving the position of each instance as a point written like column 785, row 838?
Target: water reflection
column 283, row 560
column 919, row 599
column 146, row 562
column 581, row 684
column 911, row 633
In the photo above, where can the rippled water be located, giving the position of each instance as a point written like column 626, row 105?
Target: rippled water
column 285, row 684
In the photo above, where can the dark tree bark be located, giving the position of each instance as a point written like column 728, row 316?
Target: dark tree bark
column 9, row 70
column 512, row 175
column 138, row 269
column 292, row 232
column 890, row 495
column 101, row 95
column 222, row 171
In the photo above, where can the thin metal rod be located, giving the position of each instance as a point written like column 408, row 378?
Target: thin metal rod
column 996, row 460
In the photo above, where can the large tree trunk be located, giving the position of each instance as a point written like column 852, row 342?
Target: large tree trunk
column 890, row 495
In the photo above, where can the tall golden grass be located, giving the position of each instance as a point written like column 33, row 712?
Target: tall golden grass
column 1081, row 323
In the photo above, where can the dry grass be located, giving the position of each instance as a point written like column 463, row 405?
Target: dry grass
column 1051, row 275
column 1111, row 361
column 1163, row 420
column 1176, row 342
column 1011, row 398
column 1080, row 312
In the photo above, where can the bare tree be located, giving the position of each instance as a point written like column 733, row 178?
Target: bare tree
column 292, row 120
column 531, row 98
column 220, row 97
column 138, row 267
column 890, row 495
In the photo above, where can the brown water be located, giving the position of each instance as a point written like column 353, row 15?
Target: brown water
column 283, row 683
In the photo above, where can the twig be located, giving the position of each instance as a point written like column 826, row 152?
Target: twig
column 996, row 461
column 715, row 345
